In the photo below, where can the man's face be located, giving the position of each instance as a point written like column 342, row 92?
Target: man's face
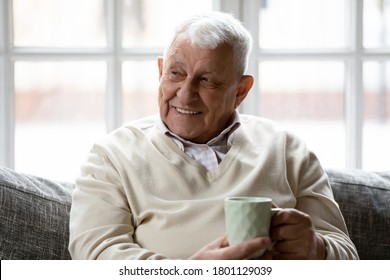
column 199, row 90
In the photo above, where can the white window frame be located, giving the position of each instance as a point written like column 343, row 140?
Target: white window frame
column 6, row 96
column 354, row 57
column 114, row 55
column 246, row 10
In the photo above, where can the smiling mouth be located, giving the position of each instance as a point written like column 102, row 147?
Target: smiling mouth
column 186, row 111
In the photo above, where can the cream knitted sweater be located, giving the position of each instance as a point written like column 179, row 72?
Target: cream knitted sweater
column 139, row 197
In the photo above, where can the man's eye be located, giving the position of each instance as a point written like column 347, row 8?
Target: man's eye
column 175, row 75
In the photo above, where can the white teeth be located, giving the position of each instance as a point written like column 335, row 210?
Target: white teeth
column 187, row 112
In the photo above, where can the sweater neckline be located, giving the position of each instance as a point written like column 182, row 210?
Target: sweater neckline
column 167, row 146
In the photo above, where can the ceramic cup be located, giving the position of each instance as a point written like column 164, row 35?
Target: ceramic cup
column 247, row 218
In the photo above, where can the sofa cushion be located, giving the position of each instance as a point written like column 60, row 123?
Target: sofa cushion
column 364, row 199
column 34, row 215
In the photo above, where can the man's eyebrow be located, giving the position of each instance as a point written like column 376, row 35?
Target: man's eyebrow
column 177, row 62
column 202, row 70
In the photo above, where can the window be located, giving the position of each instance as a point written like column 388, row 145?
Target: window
column 306, row 97
column 76, row 69
column 323, row 73
column 71, row 70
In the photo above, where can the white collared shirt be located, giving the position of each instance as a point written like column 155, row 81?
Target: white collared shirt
column 211, row 153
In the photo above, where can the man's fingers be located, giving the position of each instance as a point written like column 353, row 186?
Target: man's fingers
column 247, row 249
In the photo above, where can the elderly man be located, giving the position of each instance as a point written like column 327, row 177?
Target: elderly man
column 154, row 189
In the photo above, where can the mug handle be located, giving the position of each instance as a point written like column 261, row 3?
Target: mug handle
column 275, row 210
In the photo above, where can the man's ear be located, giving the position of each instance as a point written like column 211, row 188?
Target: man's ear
column 244, row 86
column 160, row 66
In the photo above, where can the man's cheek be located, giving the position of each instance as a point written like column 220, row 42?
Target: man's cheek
column 168, row 91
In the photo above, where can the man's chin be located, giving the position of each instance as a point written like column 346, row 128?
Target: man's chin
column 185, row 135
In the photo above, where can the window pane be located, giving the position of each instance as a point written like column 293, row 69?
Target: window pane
column 150, row 22
column 59, row 109
column 307, row 98
column 376, row 23
column 140, row 89
column 302, row 24
column 376, row 129
column 59, row 23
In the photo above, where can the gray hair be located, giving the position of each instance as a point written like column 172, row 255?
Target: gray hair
column 214, row 29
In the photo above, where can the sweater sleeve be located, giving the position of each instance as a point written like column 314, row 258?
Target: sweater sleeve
column 314, row 196
column 101, row 222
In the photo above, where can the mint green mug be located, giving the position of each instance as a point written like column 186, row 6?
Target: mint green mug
column 247, row 218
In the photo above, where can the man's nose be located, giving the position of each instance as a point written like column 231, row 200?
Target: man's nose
column 188, row 90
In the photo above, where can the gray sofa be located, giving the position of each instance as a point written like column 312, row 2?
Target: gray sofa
column 34, row 213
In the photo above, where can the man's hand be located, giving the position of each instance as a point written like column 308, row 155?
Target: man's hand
column 295, row 236
column 220, row 249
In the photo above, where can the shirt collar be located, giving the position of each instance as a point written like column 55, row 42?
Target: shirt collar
column 227, row 133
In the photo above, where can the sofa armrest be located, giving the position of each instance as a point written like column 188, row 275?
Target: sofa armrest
column 34, row 214
column 364, row 200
